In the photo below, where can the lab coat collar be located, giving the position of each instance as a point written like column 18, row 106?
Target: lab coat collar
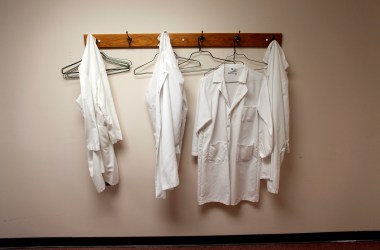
column 219, row 73
column 242, row 88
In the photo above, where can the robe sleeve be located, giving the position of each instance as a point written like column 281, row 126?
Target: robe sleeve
column 202, row 117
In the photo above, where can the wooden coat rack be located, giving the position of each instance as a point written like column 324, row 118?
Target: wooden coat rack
column 185, row 40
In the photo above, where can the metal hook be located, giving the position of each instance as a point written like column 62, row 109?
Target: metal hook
column 237, row 38
column 236, row 41
column 200, row 40
column 129, row 39
column 272, row 38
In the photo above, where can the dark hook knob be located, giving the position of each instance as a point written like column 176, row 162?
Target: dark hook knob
column 237, row 38
column 129, row 39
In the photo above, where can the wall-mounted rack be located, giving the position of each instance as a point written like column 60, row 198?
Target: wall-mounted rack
column 185, row 40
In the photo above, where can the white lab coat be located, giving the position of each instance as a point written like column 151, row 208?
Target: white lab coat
column 102, row 127
column 232, row 133
column 278, row 92
column 167, row 106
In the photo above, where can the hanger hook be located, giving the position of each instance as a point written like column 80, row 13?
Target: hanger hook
column 236, row 41
column 200, row 41
column 129, row 39
column 237, row 38
column 272, row 38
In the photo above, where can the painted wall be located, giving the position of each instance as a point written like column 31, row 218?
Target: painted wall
column 330, row 181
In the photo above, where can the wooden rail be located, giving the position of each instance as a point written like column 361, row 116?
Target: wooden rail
column 185, row 40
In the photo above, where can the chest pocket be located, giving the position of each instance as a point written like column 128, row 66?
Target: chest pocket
column 249, row 126
column 217, row 152
column 249, row 114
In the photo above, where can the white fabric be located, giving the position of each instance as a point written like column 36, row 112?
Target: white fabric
column 167, row 105
column 232, row 133
column 279, row 99
column 102, row 127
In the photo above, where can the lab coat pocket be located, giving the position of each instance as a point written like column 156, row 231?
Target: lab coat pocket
column 249, row 114
column 249, row 126
column 245, row 153
column 217, row 152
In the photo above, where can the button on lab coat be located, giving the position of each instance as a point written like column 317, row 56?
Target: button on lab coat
column 232, row 133
column 167, row 106
column 279, row 100
column 102, row 127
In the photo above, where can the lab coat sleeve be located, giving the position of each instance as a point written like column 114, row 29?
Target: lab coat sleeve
column 86, row 101
column 285, row 96
column 177, row 98
column 265, row 122
column 183, row 123
column 202, row 117
column 104, row 105
column 91, row 130
column 108, row 110
column 278, row 82
column 278, row 92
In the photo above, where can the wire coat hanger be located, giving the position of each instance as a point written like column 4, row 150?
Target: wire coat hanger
column 202, row 52
column 120, row 65
column 236, row 40
column 143, row 65
column 181, row 61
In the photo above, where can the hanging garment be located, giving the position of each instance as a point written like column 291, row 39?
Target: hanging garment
column 167, row 105
column 232, row 133
column 279, row 100
column 102, row 127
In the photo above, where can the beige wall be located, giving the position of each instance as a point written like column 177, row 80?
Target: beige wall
column 330, row 181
